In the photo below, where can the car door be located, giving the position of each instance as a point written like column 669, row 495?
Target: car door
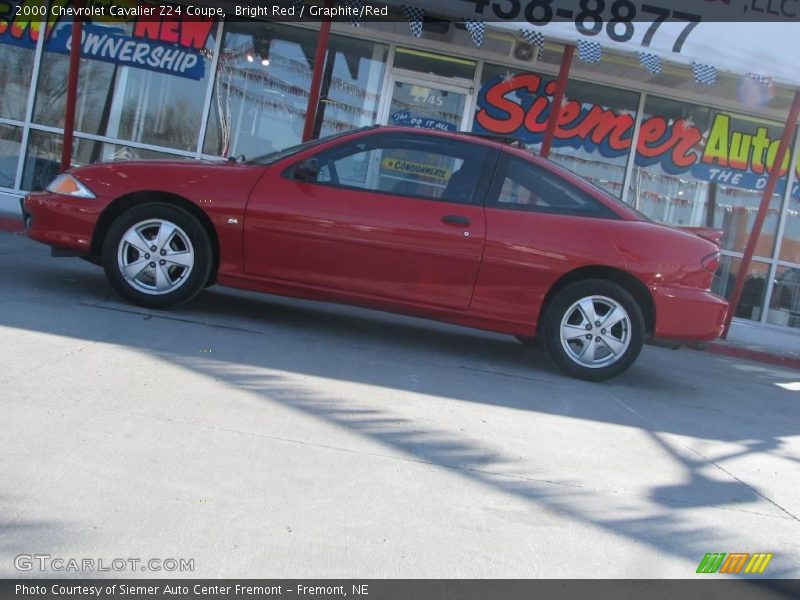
column 393, row 215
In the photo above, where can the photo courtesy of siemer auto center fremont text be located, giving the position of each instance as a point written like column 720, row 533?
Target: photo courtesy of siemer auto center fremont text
column 426, row 299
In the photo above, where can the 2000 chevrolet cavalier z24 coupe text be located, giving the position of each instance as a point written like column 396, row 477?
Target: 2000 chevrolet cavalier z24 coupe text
column 447, row 226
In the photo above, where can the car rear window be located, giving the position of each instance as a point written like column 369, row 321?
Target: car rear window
column 526, row 186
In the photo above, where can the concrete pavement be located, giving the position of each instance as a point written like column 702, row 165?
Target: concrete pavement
column 267, row 437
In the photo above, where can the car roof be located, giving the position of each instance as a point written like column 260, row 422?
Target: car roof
column 510, row 144
column 488, row 138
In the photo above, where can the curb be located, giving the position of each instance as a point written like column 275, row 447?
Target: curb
column 771, row 358
column 11, row 225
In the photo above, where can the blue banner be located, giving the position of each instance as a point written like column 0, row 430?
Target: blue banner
column 109, row 45
column 25, row 41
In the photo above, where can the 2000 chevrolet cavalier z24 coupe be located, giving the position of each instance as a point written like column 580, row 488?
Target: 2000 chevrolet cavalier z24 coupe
column 448, row 226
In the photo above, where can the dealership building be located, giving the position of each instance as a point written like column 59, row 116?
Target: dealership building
column 686, row 143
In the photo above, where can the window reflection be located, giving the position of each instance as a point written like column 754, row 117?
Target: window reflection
column 43, row 158
column 15, row 79
column 10, row 140
column 699, row 167
column 754, row 290
column 261, row 90
column 421, row 61
column 159, row 101
column 790, row 245
column 784, row 307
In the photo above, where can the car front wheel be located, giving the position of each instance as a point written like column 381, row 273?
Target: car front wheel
column 593, row 329
column 157, row 255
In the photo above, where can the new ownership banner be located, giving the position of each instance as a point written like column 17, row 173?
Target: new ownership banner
column 110, row 45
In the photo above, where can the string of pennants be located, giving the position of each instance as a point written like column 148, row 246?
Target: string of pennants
column 292, row 67
column 232, row 89
column 589, row 52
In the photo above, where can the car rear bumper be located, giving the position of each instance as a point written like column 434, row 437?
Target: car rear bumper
column 688, row 315
column 60, row 221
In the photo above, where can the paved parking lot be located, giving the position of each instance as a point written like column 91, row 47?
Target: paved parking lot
column 270, row 437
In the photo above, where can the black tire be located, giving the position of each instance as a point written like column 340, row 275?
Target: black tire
column 626, row 336
column 189, row 242
column 530, row 342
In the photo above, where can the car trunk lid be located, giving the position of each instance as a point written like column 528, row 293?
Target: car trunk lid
column 707, row 233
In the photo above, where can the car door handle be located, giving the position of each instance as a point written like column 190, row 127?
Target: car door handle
column 456, row 220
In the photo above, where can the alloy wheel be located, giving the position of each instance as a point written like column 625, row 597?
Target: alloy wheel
column 595, row 331
column 155, row 256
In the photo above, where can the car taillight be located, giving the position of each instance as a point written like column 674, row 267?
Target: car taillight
column 711, row 262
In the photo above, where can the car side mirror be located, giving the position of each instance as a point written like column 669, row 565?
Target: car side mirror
column 306, row 170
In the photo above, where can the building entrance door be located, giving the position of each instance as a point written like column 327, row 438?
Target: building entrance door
column 418, row 102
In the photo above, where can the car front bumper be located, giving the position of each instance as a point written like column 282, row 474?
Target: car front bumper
column 688, row 315
column 60, row 221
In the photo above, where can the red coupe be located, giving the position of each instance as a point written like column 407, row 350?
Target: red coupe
column 448, row 226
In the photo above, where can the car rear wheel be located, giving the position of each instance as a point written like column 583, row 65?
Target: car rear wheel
column 157, row 255
column 593, row 329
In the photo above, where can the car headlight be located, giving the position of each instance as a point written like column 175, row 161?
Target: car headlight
column 67, row 184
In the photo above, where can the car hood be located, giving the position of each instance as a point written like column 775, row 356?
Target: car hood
column 188, row 178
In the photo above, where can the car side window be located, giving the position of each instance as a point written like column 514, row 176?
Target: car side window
column 419, row 166
column 526, row 186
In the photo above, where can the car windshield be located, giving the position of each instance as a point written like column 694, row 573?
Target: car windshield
column 273, row 157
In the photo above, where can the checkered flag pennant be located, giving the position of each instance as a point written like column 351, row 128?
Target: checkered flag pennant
column 764, row 80
column 535, row 39
column 589, row 52
column 651, row 62
column 415, row 16
column 356, row 6
column 705, row 74
column 477, row 29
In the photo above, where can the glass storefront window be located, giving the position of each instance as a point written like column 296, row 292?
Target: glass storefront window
column 10, row 141
column 595, row 129
column 601, row 157
column 261, row 90
column 784, row 307
column 15, row 78
column 755, row 286
column 43, row 159
column 429, row 63
column 91, row 151
column 737, row 216
column 138, row 81
column 696, row 166
column 18, row 37
column 790, row 243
